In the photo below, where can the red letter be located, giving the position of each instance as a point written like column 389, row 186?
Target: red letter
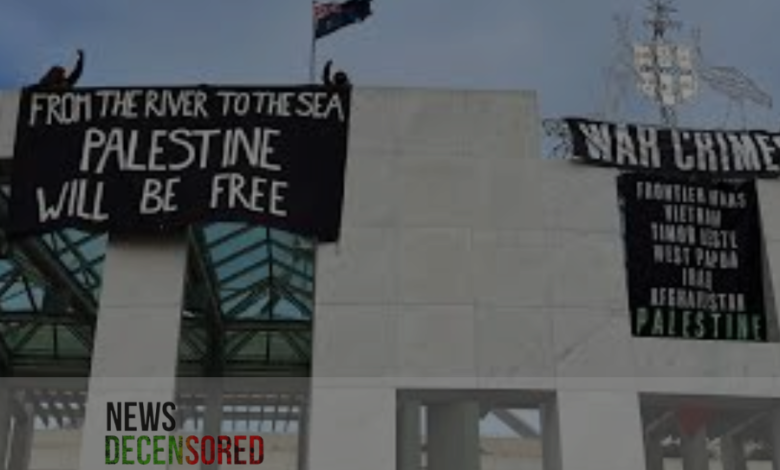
column 192, row 450
column 203, row 450
column 224, row 449
column 237, row 449
column 252, row 454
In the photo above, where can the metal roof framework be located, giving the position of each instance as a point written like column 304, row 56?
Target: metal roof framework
column 246, row 404
column 257, row 412
column 753, row 425
column 247, row 302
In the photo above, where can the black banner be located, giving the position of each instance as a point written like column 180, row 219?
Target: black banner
column 693, row 251
column 681, row 151
column 135, row 160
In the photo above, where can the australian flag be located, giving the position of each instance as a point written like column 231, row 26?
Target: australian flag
column 332, row 16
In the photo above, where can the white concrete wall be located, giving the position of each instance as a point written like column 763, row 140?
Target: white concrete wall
column 469, row 261
column 9, row 107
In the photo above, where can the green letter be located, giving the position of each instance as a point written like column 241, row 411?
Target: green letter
column 157, row 449
column 140, row 457
column 177, row 449
column 126, row 449
column 115, row 440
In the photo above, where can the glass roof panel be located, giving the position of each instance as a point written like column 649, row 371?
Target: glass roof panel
column 244, row 269
column 258, row 276
column 68, row 342
column 51, row 341
column 5, row 268
column 40, row 341
column 190, row 345
column 287, row 311
column 16, row 335
column 282, row 351
column 42, row 279
column 22, row 297
column 213, row 232
column 231, row 247
column 81, row 253
column 245, row 278
column 254, row 349
column 257, row 257
column 229, row 306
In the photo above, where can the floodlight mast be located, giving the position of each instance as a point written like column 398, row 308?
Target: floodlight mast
column 660, row 22
column 669, row 74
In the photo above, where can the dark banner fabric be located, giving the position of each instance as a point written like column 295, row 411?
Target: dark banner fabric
column 694, row 258
column 675, row 151
column 148, row 160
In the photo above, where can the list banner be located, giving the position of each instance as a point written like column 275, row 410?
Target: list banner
column 694, row 258
column 140, row 160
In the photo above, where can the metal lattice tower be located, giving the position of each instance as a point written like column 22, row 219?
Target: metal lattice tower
column 670, row 74
column 660, row 22
column 664, row 72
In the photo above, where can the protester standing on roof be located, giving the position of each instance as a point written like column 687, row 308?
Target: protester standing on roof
column 334, row 79
column 57, row 77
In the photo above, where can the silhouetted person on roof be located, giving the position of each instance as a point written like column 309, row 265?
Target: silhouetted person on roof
column 334, row 79
column 57, row 77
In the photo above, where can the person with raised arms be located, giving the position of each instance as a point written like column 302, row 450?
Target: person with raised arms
column 57, row 77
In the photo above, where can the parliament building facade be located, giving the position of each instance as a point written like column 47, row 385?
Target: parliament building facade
column 473, row 313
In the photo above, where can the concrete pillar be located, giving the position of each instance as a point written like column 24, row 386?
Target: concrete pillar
column 137, row 336
column 732, row 453
column 9, row 111
column 22, row 441
column 453, row 436
column 352, row 428
column 654, row 452
column 408, row 441
column 551, row 436
column 694, row 450
column 600, row 429
column 5, row 424
column 775, row 439
column 303, row 435
column 212, row 423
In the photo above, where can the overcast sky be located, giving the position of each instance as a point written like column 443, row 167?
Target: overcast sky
column 558, row 48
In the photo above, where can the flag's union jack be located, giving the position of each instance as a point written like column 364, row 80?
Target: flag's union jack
column 323, row 10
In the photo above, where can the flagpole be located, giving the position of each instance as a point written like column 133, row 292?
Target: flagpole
column 313, row 52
